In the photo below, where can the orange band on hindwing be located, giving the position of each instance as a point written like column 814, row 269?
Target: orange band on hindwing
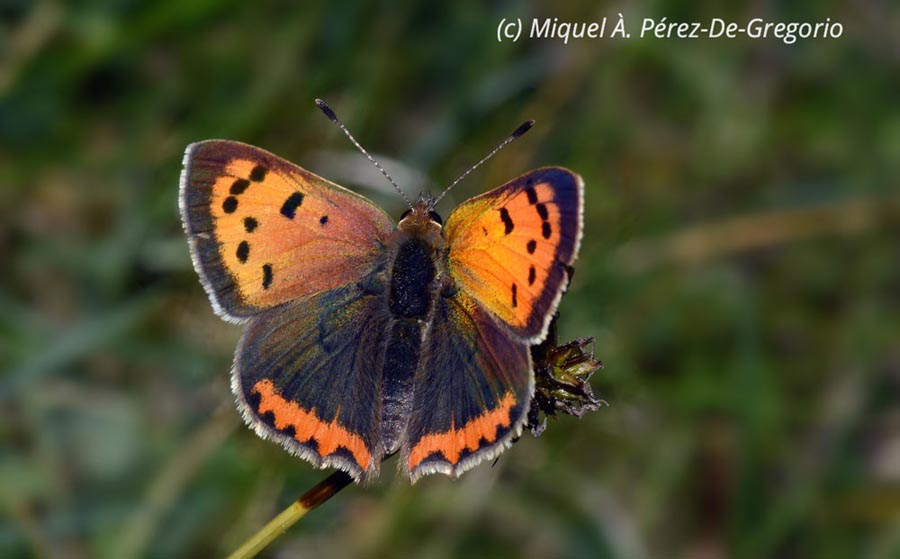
column 453, row 442
column 328, row 436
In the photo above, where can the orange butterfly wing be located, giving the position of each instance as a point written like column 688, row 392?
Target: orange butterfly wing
column 510, row 248
column 264, row 231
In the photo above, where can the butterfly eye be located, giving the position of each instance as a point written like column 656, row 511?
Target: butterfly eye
column 404, row 214
column 433, row 216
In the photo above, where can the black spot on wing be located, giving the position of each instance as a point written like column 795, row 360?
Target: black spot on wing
column 239, row 186
column 507, row 221
column 243, row 251
column 323, row 220
column 343, row 453
column 258, row 174
column 515, row 290
column 532, row 194
column 531, row 246
column 250, row 224
column 229, row 205
column 313, row 444
column 269, row 419
column 289, row 431
column 542, row 211
column 531, row 275
column 267, row 276
column 289, row 208
column 253, row 399
column 546, row 230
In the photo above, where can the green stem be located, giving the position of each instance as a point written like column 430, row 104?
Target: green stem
column 323, row 491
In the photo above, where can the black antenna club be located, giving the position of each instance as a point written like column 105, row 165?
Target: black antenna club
column 517, row 133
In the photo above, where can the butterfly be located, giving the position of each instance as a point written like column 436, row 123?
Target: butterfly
column 364, row 337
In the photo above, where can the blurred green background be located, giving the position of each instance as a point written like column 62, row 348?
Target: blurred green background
column 739, row 271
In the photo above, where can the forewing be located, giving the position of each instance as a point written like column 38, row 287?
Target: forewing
column 510, row 248
column 264, row 231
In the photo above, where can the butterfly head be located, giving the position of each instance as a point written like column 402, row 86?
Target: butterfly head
column 421, row 217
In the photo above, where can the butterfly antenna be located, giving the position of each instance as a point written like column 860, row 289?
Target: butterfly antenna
column 518, row 133
column 330, row 114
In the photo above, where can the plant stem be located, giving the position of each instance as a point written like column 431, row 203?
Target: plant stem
column 320, row 493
